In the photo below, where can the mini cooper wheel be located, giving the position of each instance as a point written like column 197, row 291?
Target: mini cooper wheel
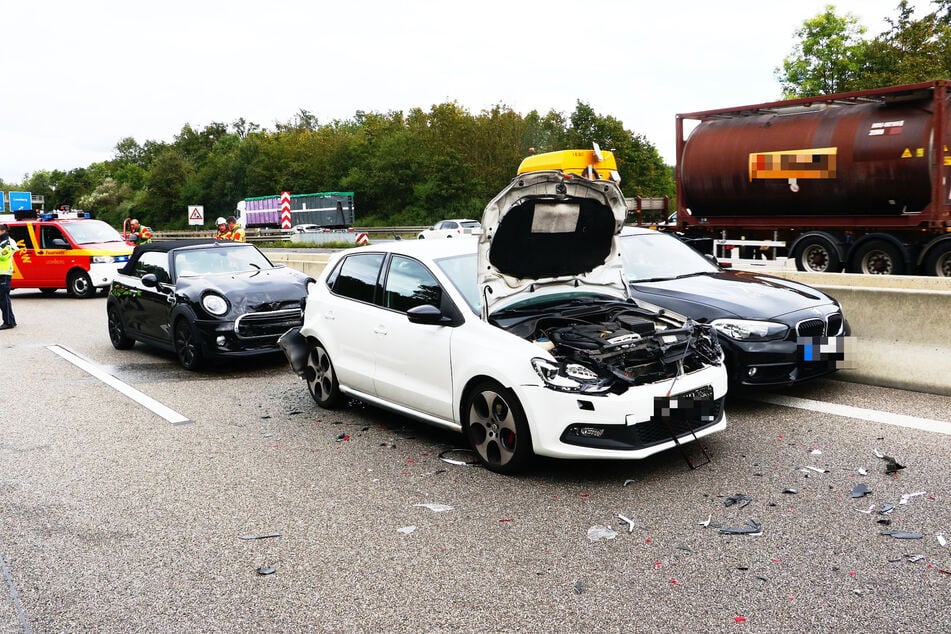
column 496, row 427
column 187, row 346
column 79, row 285
column 321, row 378
column 120, row 340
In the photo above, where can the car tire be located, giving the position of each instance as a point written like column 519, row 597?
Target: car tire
column 495, row 425
column 815, row 254
column 117, row 335
column 322, row 379
column 79, row 285
column 420, row 237
column 939, row 260
column 187, row 346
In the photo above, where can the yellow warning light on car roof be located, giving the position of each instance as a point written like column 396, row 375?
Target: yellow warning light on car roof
column 591, row 164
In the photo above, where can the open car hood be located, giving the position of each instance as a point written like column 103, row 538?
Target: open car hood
column 548, row 233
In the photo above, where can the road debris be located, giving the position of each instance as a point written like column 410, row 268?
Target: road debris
column 629, row 522
column 261, row 536
column 406, row 530
column 706, row 523
column 870, row 510
column 891, row 465
column 860, row 490
column 738, row 498
column 862, row 471
column 790, row 491
column 903, row 534
column 599, row 532
column 915, row 558
column 580, row 586
column 752, row 528
column 886, row 509
column 266, row 570
column 816, row 469
column 436, row 508
column 941, row 540
column 627, row 482
column 907, row 496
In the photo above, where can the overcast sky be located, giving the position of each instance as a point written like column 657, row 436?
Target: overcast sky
column 81, row 75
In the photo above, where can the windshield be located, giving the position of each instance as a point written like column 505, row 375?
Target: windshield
column 461, row 271
column 91, row 231
column 653, row 256
column 220, row 260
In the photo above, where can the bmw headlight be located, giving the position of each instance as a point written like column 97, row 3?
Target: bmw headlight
column 569, row 377
column 215, row 304
column 103, row 259
column 750, row 330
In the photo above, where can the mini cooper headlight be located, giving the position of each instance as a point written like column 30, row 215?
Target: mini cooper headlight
column 750, row 330
column 569, row 377
column 215, row 304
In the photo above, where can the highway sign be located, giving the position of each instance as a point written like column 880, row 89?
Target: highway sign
column 196, row 215
column 21, row 201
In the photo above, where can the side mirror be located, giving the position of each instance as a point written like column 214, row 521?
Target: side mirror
column 59, row 243
column 150, row 280
column 712, row 258
column 427, row 314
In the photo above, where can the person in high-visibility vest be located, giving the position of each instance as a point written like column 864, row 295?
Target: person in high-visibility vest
column 237, row 232
column 224, row 233
column 139, row 233
column 8, row 247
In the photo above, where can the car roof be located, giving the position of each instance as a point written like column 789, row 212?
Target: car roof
column 164, row 246
column 629, row 230
column 422, row 249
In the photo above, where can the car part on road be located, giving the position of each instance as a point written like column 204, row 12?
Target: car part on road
column 436, row 508
column 471, row 462
column 266, row 570
column 907, row 496
column 406, row 530
column 738, row 498
column 752, row 528
column 860, row 490
column 902, row 534
column 598, row 532
column 628, row 521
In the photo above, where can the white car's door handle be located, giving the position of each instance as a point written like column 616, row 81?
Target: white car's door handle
column 379, row 330
column 329, row 315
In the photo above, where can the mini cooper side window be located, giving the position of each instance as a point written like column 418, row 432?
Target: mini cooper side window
column 410, row 284
column 153, row 262
column 358, row 275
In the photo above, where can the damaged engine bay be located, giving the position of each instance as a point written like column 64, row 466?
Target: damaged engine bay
column 607, row 346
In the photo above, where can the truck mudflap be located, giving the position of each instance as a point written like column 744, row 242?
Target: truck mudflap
column 294, row 346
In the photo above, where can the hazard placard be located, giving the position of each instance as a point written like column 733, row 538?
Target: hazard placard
column 196, row 215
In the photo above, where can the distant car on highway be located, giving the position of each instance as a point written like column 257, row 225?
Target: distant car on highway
column 451, row 229
column 204, row 300
column 773, row 331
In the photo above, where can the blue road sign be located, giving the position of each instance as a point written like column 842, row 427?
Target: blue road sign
column 21, row 201
column 2, row 198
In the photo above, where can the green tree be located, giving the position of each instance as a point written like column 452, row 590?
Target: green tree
column 829, row 56
column 911, row 50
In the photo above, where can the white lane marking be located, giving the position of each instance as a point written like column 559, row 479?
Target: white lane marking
column 860, row 413
column 142, row 399
column 15, row 597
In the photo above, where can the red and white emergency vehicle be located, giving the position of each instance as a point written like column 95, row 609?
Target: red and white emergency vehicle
column 65, row 250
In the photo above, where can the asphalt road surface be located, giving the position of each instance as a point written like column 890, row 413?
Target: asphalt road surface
column 114, row 519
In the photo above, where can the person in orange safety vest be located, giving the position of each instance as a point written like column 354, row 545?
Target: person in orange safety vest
column 237, row 232
column 224, row 233
column 139, row 233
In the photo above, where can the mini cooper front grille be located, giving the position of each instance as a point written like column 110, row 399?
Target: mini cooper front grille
column 270, row 324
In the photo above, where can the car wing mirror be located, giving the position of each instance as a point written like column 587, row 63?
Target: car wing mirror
column 150, row 281
column 712, row 258
column 59, row 243
column 427, row 314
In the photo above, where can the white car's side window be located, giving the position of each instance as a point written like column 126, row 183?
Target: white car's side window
column 358, row 276
column 410, row 284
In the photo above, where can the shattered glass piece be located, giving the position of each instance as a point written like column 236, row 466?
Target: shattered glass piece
column 907, row 496
column 738, row 498
column 599, row 532
column 261, row 536
column 406, row 530
column 436, row 508
column 266, row 570
column 469, row 462
column 790, row 491
column 580, row 586
column 860, row 490
column 914, row 558
column 886, row 509
column 903, row 534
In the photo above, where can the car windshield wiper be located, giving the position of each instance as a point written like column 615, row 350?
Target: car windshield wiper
column 667, row 279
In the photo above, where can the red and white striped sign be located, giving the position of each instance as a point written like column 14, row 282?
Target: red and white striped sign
column 285, row 210
column 363, row 239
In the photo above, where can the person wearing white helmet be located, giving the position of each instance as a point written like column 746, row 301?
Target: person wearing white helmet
column 224, row 233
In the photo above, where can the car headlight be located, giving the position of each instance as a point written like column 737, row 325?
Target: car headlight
column 215, row 304
column 569, row 377
column 750, row 330
column 103, row 259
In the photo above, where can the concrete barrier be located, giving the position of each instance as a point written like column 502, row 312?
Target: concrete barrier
column 900, row 324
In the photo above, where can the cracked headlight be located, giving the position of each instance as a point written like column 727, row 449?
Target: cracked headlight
column 215, row 304
column 750, row 330
column 569, row 377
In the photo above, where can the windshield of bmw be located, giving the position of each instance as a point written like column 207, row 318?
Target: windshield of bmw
column 91, row 232
column 656, row 256
column 216, row 259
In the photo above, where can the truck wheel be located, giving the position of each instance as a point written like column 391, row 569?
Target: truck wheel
column 939, row 261
column 816, row 255
column 878, row 257
column 79, row 285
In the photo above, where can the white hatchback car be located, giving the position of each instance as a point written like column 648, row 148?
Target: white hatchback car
column 526, row 340
column 451, row 229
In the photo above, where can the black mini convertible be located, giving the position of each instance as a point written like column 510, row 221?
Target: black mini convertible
column 204, row 300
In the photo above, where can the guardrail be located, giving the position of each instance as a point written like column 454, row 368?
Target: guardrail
column 276, row 235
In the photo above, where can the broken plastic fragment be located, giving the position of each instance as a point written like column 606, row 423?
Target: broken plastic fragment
column 941, row 540
column 684, row 547
column 752, row 528
column 436, row 508
column 863, row 471
column 706, row 523
column 914, row 558
column 738, row 498
column 627, row 482
column 579, row 586
column 790, row 491
column 886, row 509
column 599, row 532
column 266, row 570
column 885, row 521
column 816, row 451
column 816, row 469
column 868, row 512
column 878, row 454
column 406, row 530
column 907, row 496
column 262, row 536
column 470, row 462
column 630, row 522
column 903, row 534
column 860, row 490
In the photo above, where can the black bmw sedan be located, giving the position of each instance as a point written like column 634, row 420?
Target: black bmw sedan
column 204, row 300
column 774, row 332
